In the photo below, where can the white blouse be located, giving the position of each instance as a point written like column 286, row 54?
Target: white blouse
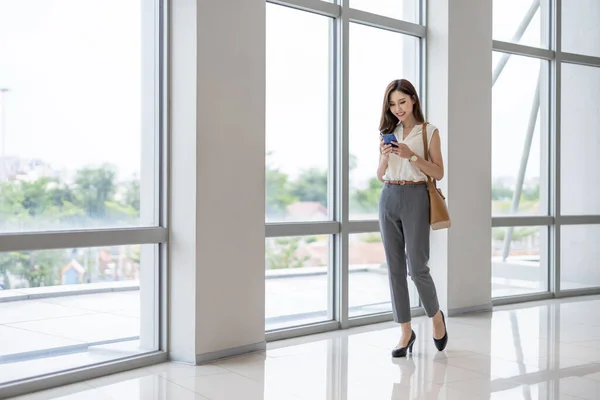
column 400, row 169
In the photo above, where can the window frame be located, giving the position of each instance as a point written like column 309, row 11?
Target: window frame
column 554, row 220
column 154, row 165
column 340, row 225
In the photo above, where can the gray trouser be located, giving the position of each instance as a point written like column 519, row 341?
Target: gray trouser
column 404, row 223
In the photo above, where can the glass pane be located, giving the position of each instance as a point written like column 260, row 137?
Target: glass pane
column 520, row 137
column 519, row 260
column 67, row 308
column 369, row 78
column 298, row 115
column 580, row 29
column 524, row 22
column 407, row 10
column 297, row 280
column 579, row 255
column 368, row 279
column 78, row 114
column 579, row 140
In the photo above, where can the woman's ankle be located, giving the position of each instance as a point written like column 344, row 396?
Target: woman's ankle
column 406, row 328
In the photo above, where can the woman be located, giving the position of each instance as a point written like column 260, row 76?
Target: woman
column 404, row 208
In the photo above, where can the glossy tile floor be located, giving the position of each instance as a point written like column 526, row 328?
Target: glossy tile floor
column 545, row 350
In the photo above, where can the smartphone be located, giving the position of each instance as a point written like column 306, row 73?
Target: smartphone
column 388, row 138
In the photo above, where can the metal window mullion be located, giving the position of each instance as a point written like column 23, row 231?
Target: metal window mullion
column 522, row 50
column 304, row 330
column 555, row 141
column 81, row 238
column 79, row 374
column 163, row 183
column 544, row 220
column 332, row 166
column 589, row 291
column 579, row 59
column 578, row 220
column 387, row 23
column 164, row 139
column 302, row 229
column 314, row 6
column 382, row 317
column 363, row 226
column 423, row 57
column 343, row 190
column 423, row 71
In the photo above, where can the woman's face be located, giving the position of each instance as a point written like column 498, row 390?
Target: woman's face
column 401, row 105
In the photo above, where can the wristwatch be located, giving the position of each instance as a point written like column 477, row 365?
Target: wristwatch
column 413, row 158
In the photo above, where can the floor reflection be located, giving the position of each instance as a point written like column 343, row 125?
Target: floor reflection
column 540, row 351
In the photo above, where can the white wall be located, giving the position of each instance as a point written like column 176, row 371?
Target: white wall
column 459, row 93
column 216, row 282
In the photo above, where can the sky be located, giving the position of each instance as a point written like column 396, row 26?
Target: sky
column 74, row 73
column 74, row 69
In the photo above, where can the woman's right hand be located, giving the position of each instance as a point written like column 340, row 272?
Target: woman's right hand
column 385, row 149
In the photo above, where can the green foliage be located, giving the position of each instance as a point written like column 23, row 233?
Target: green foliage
column 367, row 200
column 283, row 254
column 278, row 193
column 42, row 268
column 115, row 210
column 39, row 268
column 531, row 194
column 311, row 185
column 518, row 233
column 132, row 195
column 9, row 262
column 93, row 188
column 502, row 193
column 48, row 203
column 371, row 238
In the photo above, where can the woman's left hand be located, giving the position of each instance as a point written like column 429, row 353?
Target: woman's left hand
column 403, row 150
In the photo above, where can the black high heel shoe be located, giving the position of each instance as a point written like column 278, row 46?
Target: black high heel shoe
column 401, row 352
column 440, row 344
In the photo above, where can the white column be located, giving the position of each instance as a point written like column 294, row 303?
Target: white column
column 459, row 96
column 216, row 280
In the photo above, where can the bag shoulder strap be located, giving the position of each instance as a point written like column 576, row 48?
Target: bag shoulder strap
column 426, row 149
column 425, row 146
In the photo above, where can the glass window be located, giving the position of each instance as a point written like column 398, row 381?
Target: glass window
column 407, row 10
column 298, row 115
column 580, row 146
column 368, row 279
column 297, row 280
column 579, row 255
column 519, row 260
column 520, row 136
column 77, row 112
column 67, row 308
column 580, row 29
column 369, row 77
column 524, row 22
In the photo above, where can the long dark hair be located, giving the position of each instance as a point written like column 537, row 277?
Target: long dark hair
column 388, row 120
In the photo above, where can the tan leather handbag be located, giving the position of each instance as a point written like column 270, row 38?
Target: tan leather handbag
column 439, row 218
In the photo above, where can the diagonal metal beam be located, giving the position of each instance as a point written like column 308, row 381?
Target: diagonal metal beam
column 516, row 37
column 535, row 108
